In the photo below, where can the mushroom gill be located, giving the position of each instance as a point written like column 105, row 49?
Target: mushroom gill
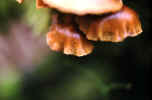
column 63, row 36
column 114, row 27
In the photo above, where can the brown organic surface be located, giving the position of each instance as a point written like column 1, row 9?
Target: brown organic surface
column 65, row 37
column 83, row 7
column 113, row 27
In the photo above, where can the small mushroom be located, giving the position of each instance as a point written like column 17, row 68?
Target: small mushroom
column 63, row 36
column 83, row 7
column 19, row 1
column 41, row 4
column 113, row 27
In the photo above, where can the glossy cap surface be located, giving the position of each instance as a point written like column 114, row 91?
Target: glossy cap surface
column 83, row 7
column 19, row 1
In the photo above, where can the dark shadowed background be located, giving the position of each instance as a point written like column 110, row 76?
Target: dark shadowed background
column 30, row 71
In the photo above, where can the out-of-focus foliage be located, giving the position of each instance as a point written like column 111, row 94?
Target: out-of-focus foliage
column 10, row 83
column 9, row 10
column 114, row 71
column 38, row 19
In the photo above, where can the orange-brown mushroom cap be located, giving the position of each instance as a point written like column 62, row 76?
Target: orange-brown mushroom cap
column 65, row 37
column 19, row 1
column 83, row 7
column 40, row 4
column 113, row 27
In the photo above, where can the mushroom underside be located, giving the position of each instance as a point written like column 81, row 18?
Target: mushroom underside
column 63, row 36
column 114, row 27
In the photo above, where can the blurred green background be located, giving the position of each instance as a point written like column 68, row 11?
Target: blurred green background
column 30, row 71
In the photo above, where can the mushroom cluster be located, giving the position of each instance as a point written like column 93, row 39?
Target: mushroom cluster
column 77, row 22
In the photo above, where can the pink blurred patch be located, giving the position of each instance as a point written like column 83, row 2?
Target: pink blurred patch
column 21, row 48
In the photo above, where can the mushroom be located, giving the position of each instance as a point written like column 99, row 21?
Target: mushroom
column 19, row 1
column 40, row 4
column 104, row 20
column 114, row 27
column 64, row 36
column 83, row 7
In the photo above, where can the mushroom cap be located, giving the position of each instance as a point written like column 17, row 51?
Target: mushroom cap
column 113, row 27
column 65, row 38
column 40, row 4
column 83, row 7
column 19, row 1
